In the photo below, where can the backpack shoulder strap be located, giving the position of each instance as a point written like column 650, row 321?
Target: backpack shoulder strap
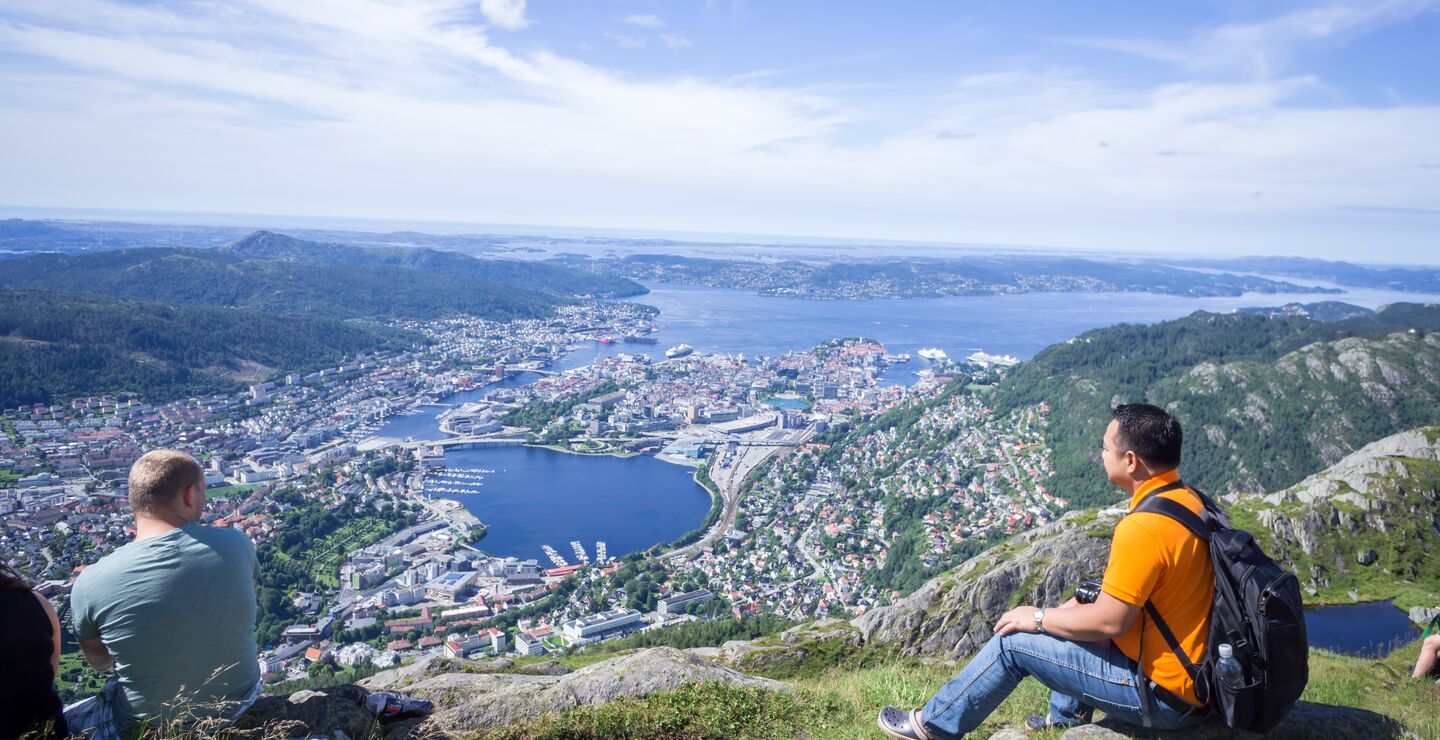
column 1199, row 526
column 1154, row 504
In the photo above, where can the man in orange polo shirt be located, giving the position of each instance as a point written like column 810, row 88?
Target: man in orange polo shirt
column 1089, row 654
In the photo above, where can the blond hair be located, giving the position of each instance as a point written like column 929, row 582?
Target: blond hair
column 158, row 477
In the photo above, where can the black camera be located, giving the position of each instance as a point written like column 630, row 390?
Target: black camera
column 1088, row 591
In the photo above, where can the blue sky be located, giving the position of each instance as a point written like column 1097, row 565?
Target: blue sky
column 1187, row 128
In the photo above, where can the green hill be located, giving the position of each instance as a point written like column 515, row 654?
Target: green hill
column 214, row 278
column 1265, row 401
column 57, row 345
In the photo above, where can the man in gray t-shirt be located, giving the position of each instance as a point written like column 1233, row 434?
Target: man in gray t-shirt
column 174, row 611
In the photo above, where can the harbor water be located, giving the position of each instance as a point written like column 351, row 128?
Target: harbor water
column 539, row 497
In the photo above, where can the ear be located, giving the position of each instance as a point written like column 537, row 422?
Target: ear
column 188, row 496
column 1132, row 462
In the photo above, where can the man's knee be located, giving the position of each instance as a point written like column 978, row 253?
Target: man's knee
column 1432, row 643
column 1028, row 643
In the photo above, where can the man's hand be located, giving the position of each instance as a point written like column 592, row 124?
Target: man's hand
column 1019, row 619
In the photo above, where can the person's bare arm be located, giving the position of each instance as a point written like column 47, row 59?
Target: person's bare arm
column 54, row 633
column 97, row 654
column 1105, row 619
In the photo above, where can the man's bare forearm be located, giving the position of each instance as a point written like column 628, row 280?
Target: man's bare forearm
column 97, row 655
column 1080, row 622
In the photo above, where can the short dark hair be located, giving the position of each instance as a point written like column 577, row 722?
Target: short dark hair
column 1150, row 432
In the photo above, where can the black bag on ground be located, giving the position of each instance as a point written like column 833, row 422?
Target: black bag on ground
column 1257, row 611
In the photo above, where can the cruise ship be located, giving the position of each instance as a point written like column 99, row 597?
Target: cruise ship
column 986, row 359
column 933, row 353
column 679, row 350
column 638, row 339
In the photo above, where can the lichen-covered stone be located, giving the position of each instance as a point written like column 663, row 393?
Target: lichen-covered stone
column 311, row 712
column 469, row 702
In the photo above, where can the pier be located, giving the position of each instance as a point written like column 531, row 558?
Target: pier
column 554, row 556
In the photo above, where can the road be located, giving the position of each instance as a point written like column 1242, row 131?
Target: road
column 731, row 478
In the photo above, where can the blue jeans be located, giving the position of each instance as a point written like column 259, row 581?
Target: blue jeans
column 1081, row 676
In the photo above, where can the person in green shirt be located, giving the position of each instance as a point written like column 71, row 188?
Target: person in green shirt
column 173, row 612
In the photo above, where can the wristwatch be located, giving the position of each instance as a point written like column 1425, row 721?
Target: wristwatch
column 1040, row 621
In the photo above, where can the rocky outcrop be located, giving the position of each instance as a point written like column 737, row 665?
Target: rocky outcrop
column 305, row 713
column 953, row 615
column 1378, row 508
column 473, row 701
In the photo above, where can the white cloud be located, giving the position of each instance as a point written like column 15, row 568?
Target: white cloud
column 675, row 40
column 628, row 42
column 507, row 14
column 413, row 111
column 1263, row 48
column 648, row 20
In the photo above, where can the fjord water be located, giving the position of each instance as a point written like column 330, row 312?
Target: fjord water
column 541, row 497
column 525, row 505
column 733, row 321
column 1369, row 629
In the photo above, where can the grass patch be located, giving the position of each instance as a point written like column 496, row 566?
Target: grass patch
column 842, row 701
column 1021, row 594
column 1370, row 684
column 574, row 661
column 228, row 491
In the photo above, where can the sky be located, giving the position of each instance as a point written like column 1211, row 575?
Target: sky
column 1209, row 127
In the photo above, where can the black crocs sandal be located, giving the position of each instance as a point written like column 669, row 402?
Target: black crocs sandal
column 898, row 724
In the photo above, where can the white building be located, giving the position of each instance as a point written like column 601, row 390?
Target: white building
column 528, row 643
column 355, row 654
column 597, row 627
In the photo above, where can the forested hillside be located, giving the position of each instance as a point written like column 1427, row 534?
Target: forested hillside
column 54, row 345
column 1262, row 407
column 213, row 278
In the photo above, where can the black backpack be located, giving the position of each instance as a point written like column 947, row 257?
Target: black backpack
column 1257, row 610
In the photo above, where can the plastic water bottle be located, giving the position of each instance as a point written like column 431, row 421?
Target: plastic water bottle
column 1227, row 669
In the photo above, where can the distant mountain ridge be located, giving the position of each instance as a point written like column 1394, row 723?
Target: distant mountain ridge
column 910, row 277
column 1265, row 401
column 269, row 245
column 1418, row 279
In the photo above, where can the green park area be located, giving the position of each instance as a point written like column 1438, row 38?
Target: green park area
column 228, row 491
